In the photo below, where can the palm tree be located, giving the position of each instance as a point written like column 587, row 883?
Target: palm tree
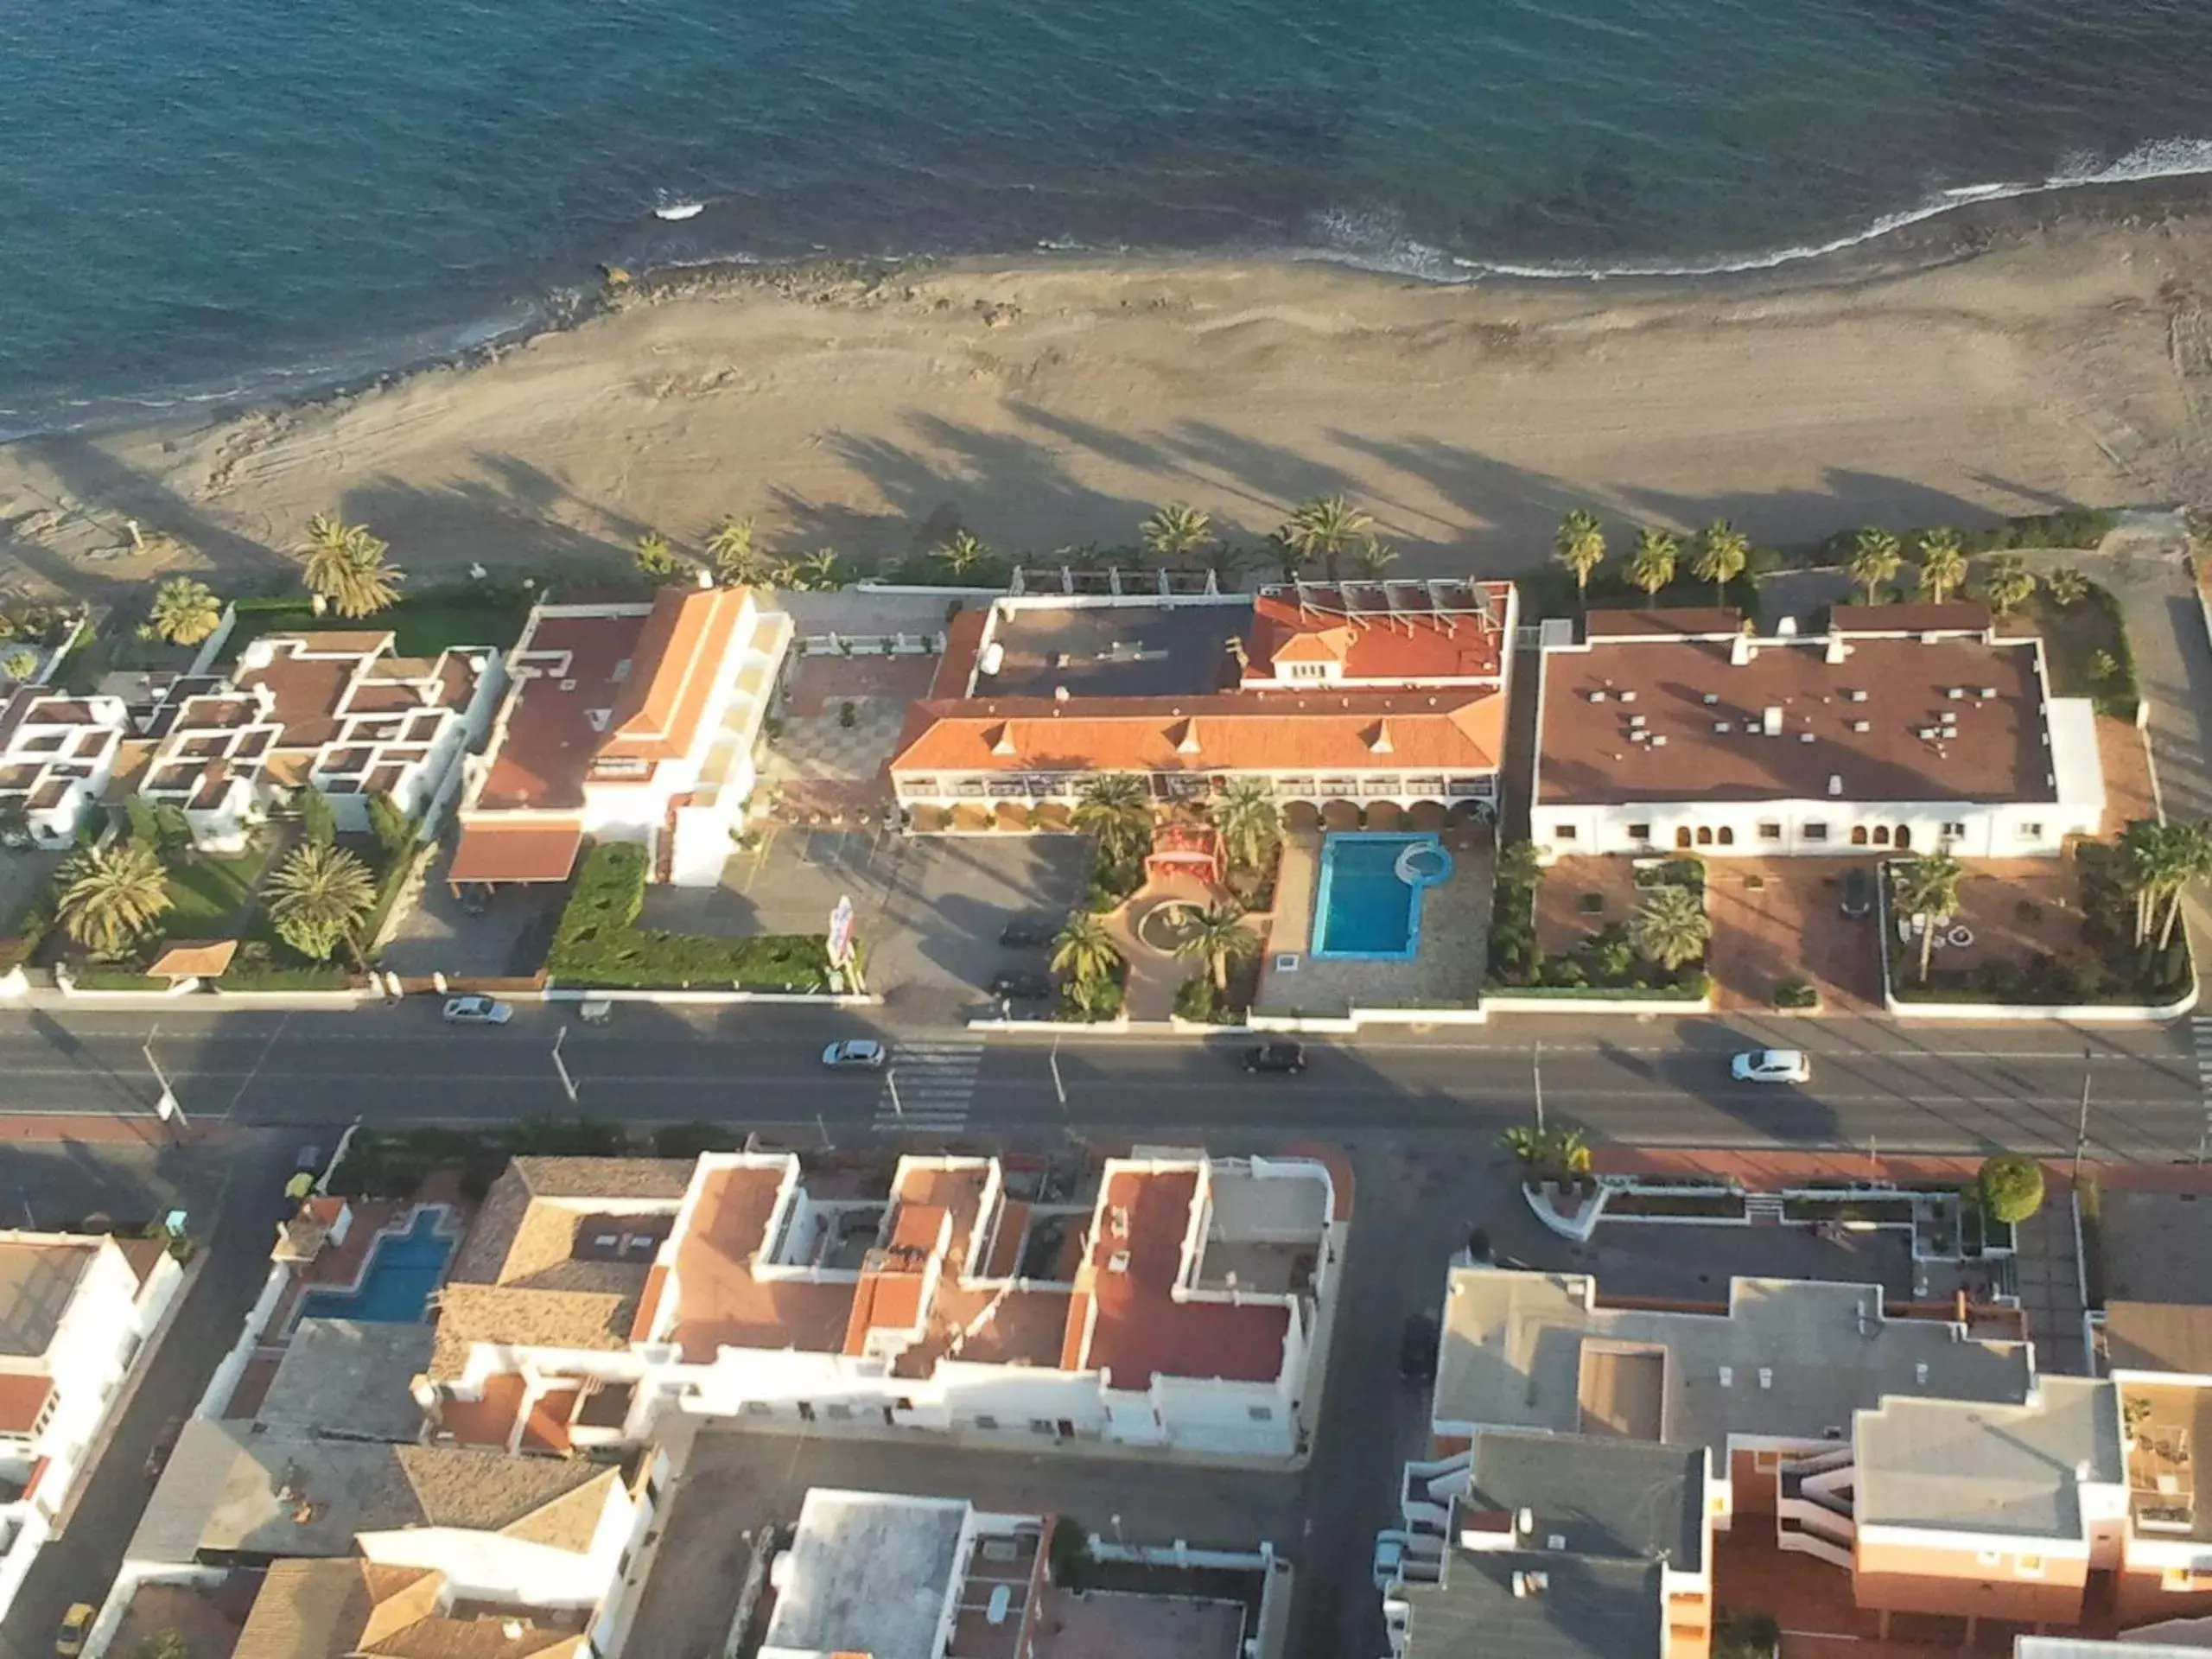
column 657, row 559
column 817, row 572
column 1722, row 552
column 1116, row 808
column 111, row 895
column 1176, row 532
column 1927, row 886
column 2188, row 859
column 1942, row 564
column 2066, row 586
column 2006, row 585
column 737, row 560
column 1876, row 557
column 1084, row 952
column 2144, row 858
column 1651, row 567
column 344, row 567
column 1324, row 528
column 1373, row 557
column 961, row 554
column 318, row 898
column 1670, row 928
column 1580, row 546
column 1218, row 937
column 184, row 612
column 1248, row 821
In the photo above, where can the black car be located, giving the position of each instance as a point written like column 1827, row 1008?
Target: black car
column 1417, row 1349
column 1276, row 1057
column 1013, row 987
column 1027, row 932
column 1857, row 892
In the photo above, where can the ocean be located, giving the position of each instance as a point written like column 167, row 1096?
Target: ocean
column 212, row 199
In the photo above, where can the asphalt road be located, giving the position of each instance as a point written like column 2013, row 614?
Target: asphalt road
column 1657, row 1083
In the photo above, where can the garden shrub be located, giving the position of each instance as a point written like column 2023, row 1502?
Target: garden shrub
column 599, row 942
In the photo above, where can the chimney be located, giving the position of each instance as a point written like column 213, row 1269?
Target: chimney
column 1786, row 628
column 1771, row 720
column 1835, row 782
column 1380, row 743
column 1003, row 743
column 1188, row 743
column 1059, row 694
column 1740, row 650
column 1837, row 650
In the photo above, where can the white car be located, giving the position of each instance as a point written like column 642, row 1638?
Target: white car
column 859, row 1050
column 477, row 1011
column 1772, row 1066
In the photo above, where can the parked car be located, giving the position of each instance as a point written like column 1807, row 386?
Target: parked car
column 1016, row 987
column 1276, row 1057
column 863, row 1051
column 1772, row 1066
column 1857, row 892
column 164, row 1443
column 69, row 1640
column 1028, row 932
column 1417, row 1349
column 478, row 1011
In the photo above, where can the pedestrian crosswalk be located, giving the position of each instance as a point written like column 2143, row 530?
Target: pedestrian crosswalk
column 927, row 1086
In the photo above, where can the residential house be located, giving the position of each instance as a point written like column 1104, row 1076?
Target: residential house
column 354, row 1609
column 1899, row 728
column 338, row 712
column 75, row 1311
column 1178, row 1309
column 57, row 756
column 625, row 722
column 1344, row 693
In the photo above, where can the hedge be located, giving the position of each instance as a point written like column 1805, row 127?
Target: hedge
column 322, row 977
column 116, row 979
column 599, row 942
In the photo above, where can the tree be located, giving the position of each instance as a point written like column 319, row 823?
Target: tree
column 112, row 895
column 184, row 612
column 1549, row 1153
column 2189, row 858
column 1651, row 567
column 2012, row 1188
column 317, row 821
column 2146, row 856
column 1927, row 886
column 169, row 1645
column 142, row 823
column 389, row 822
column 1084, row 952
column 2067, row 587
column 2100, row 667
column 1580, row 546
column 1722, row 552
column 1248, row 821
column 657, row 560
column 1217, row 937
column 1325, row 528
column 20, row 663
column 1176, row 533
column 1942, row 564
column 1116, row 808
column 1372, row 556
column 1876, row 557
column 2006, row 585
column 1670, row 927
column 962, row 554
column 317, row 897
column 344, row 568
column 737, row 560
column 816, row 572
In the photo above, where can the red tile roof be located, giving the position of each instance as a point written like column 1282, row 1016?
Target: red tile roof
column 1405, row 644
column 23, row 1395
column 720, row 1301
column 1680, row 619
column 529, row 850
column 680, row 655
column 1954, row 616
column 549, row 740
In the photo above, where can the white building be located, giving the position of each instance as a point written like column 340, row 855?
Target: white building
column 1903, row 727
column 75, row 1311
column 1179, row 1309
column 625, row 722
column 337, row 712
column 57, row 755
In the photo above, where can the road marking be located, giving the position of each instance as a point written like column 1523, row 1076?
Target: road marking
column 929, row 1086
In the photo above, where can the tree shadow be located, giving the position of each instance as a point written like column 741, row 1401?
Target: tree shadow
column 516, row 513
column 109, row 486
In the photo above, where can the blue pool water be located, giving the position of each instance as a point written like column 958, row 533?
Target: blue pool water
column 1365, row 908
column 404, row 1269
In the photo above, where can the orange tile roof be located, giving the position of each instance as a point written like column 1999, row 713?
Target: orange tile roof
column 533, row 851
column 1402, row 644
column 184, row 958
column 1244, row 731
column 720, row 1301
column 23, row 1395
column 679, row 658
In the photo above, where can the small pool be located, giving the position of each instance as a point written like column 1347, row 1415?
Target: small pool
column 403, row 1268
column 1367, row 907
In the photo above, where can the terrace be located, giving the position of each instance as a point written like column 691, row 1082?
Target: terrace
column 2166, row 1422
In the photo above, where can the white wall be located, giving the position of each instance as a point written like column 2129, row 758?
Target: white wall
column 2032, row 830
column 495, row 1567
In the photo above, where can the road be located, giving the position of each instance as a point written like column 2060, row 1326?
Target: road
column 1898, row 1089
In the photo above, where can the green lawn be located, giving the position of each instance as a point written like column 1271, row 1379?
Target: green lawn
column 206, row 893
column 2072, row 636
column 422, row 629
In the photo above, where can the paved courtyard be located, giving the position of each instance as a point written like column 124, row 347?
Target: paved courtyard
column 824, row 765
column 2156, row 1247
column 1774, row 918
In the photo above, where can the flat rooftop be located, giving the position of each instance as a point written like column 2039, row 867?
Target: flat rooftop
column 866, row 1572
column 1614, row 1499
column 550, row 739
column 1979, row 1466
column 348, row 1379
column 1659, row 718
column 37, row 1281
column 1113, row 651
column 1587, row 1609
column 1788, row 1358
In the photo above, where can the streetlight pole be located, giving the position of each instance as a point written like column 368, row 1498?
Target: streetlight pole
column 1060, row 1087
column 166, row 1106
column 891, row 1081
column 2081, row 1125
column 1536, row 1066
column 567, row 1083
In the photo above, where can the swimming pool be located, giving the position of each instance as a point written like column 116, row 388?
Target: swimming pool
column 1367, row 907
column 403, row 1268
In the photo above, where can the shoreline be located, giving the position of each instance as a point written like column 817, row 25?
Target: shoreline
column 1921, row 240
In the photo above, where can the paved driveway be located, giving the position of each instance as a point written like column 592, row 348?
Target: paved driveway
column 435, row 935
column 1776, row 917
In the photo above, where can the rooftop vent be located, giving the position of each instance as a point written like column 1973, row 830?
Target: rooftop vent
column 1835, row 782
column 1059, row 694
column 1804, row 737
column 1920, row 1371
column 1525, row 1521
column 1597, row 696
column 1771, row 720
column 1766, row 1376
column 1855, row 695
column 598, row 718
column 1526, row 1585
column 1660, row 741
column 994, row 657
column 1556, row 1540
column 1987, row 692
column 1728, row 1377
column 1786, row 629
column 1862, row 725
column 1711, row 697
column 1628, row 696
column 1723, row 727
column 1634, row 723
column 1926, row 734
column 1955, row 692
column 568, row 685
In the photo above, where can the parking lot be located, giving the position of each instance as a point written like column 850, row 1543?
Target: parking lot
column 509, row 936
column 1780, row 917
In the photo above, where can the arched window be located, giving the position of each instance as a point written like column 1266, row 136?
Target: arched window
column 1704, row 836
column 1881, row 835
column 1683, row 835
column 1859, row 835
column 1904, row 837
column 1728, row 837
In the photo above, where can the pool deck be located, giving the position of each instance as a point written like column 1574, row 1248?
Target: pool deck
column 1454, row 938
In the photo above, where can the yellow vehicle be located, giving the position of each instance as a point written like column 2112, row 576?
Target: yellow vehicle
column 69, row 1640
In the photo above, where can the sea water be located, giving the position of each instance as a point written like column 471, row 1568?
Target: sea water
column 206, row 199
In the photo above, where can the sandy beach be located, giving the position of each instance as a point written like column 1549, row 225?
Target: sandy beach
column 1042, row 403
